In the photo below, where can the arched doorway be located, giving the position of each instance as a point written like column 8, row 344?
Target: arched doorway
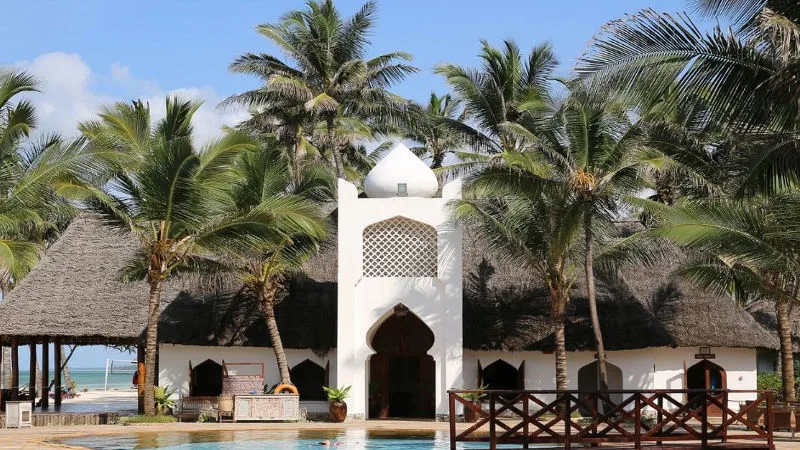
column 402, row 376
column 589, row 380
column 709, row 376
column 205, row 379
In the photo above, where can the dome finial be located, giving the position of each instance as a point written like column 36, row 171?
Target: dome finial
column 401, row 174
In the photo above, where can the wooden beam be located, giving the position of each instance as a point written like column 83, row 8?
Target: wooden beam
column 45, row 374
column 2, row 401
column 57, row 373
column 14, row 371
column 32, row 377
column 140, row 368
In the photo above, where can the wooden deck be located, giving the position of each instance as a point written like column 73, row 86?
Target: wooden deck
column 660, row 419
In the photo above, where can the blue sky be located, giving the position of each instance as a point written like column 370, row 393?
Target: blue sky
column 93, row 52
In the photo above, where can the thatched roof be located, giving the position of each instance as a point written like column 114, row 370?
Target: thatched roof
column 764, row 313
column 75, row 294
column 645, row 307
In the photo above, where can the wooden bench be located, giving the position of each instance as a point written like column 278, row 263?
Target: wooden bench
column 194, row 406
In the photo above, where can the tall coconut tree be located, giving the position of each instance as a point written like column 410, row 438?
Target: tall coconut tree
column 538, row 228
column 425, row 126
column 175, row 197
column 327, row 72
column 744, row 248
column 508, row 92
column 267, row 182
column 593, row 149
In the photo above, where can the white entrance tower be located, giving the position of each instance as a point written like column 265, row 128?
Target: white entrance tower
column 399, row 291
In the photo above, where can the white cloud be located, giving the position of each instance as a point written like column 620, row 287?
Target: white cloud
column 69, row 94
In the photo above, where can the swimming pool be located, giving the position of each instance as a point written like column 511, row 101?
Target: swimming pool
column 280, row 440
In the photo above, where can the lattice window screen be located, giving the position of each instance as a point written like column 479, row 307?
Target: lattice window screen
column 400, row 247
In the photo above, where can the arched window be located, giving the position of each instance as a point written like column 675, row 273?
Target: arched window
column 309, row 377
column 400, row 247
column 589, row 382
column 205, row 379
column 501, row 375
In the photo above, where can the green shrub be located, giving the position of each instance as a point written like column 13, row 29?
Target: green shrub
column 772, row 381
column 146, row 419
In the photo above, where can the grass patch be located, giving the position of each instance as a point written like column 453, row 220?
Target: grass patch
column 146, row 419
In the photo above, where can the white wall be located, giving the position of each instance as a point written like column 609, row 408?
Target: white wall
column 364, row 302
column 173, row 364
column 650, row 368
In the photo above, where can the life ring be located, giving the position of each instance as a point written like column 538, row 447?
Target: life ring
column 285, row 389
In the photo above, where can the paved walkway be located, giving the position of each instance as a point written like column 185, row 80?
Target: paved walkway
column 49, row 437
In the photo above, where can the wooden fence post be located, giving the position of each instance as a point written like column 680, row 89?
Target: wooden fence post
column 704, row 424
column 492, row 431
column 451, row 398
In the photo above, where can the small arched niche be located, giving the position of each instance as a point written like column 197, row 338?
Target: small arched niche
column 309, row 378
column 589, row 381
column 400, row 247
column 205, row 379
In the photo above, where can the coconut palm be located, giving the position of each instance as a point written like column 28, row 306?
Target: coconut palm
column 538, row 228
column 328, row 73
column 745, row 77
column 268, row 183
column 747, row 249
column 593, row 149
column 425, row 127
column 507, row 93
column 175, row 198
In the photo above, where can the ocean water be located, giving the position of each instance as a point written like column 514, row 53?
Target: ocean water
column 92, row 379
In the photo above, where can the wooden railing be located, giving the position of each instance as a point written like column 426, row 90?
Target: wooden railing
column 643, row 417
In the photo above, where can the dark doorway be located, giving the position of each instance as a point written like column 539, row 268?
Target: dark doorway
column 309, row 377
column 589, row 380
column 205, row 379
column 706, row 375
column 402, row 375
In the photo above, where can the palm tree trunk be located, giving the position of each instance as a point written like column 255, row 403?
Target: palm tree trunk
column 782, row 311
column 337, row 157
column 65, row 370
column 268, row 306
column 437, row 159
column 559, row 308
column 153, row 311
column 592, row 297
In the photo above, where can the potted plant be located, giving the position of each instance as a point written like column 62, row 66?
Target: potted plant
column 337, row 408
column 162, row 397
column 474, row 398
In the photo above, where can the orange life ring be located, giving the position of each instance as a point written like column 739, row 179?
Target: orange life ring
column 285, row 389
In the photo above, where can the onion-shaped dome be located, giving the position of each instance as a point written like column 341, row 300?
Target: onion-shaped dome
column 401, row 174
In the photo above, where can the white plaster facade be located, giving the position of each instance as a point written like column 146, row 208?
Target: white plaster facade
column 363, row 302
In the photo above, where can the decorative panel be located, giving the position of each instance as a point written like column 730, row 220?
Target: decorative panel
column 400, row 247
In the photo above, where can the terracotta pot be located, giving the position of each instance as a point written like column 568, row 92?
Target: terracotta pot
column 337, row 411
column 470, row 415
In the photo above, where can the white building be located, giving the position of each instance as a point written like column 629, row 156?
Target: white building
column 402, row 306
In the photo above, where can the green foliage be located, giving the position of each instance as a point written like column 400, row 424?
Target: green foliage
column 146, row 419
column 337, row 395
column 206, row 418
column 162, row 396
column 475, row 396
column 770, row 381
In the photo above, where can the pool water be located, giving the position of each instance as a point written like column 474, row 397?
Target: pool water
column 279, row 440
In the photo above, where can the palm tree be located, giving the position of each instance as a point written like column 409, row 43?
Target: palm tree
column 174, row 197
column 744, row 248
column 594, row 150
column 267, row 183
column 515, row 217
column 746, row 78
column 506, row 94
column 425, row 126
column 328, row 74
